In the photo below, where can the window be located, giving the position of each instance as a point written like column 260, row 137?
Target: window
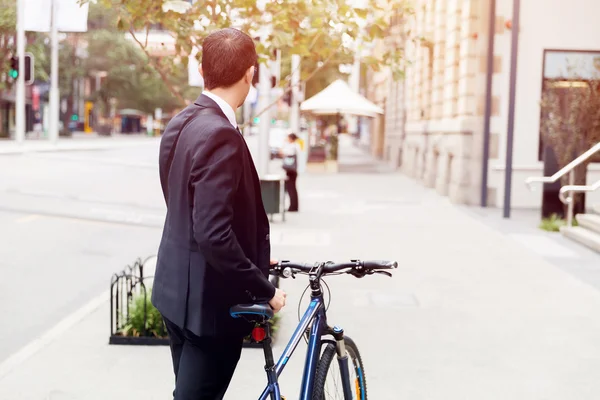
column 563, row 73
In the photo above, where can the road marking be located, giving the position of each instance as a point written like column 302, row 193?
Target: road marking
column 44, row 340
column 28, row 218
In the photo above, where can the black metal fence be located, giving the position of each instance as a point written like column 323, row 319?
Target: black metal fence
column 133, row 319
column 132, row 316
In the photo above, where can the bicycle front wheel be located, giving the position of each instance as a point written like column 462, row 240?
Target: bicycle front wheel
column 328, row 380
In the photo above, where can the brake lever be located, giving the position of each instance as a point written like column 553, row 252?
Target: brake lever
column 383, row 273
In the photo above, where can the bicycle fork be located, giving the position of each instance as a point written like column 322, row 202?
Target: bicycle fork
column 342, row 356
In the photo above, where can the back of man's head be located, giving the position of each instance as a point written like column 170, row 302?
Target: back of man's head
column 226, row 56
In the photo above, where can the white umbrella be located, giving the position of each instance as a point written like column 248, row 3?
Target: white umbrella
column 338, row 98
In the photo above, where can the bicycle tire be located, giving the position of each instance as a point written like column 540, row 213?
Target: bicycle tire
column 355, row 361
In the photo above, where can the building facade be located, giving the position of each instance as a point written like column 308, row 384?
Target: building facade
column 435, row 118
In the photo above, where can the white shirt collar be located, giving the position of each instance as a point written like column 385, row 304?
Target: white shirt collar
column 225, row 107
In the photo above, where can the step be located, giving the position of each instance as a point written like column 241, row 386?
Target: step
column 596, row 208
column 589, row 221
column 582, row 236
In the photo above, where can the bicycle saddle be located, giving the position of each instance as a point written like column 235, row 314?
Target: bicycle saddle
column 249, row 310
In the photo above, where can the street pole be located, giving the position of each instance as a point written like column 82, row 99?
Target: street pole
column 488, row 104
column 511, row 108
column 355, row 86
column 276, row 67
column 264, row 98
column 54, row 95
column 20, row 99
column 295, row 105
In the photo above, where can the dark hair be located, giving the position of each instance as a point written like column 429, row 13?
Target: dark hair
column 293, row 136
column 226, row 56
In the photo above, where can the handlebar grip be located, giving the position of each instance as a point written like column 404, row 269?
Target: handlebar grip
column 379, row 264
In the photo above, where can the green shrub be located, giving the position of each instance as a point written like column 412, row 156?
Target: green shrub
column 154, row 327
column 154, row 322
column 554, row 223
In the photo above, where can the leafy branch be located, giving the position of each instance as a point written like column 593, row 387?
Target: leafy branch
column 316, row 30
column 156, row 65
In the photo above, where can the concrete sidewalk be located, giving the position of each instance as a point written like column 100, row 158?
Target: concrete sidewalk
column 470, row 313
column 79, row 142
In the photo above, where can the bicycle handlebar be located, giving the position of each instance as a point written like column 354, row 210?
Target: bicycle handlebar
column 357, row 268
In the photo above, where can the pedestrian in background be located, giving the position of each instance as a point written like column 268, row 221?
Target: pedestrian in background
column 290, row 153
column 215, row 248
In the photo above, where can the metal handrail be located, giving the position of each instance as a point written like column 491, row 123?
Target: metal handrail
column 571, row 187
column 575, row 189
column 566, row 169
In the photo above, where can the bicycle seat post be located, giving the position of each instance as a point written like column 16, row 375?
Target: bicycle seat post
column 268, row 351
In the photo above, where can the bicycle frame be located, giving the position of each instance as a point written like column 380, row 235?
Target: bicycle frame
column 315, row 312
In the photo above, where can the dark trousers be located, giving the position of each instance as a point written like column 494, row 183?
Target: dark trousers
column 290, row 188
column 203, row 366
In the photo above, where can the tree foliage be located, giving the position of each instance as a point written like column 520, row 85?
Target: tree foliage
column 570, row 122
column 129, row 78
column 8, row 17
column 318, row 30
column 571, row 118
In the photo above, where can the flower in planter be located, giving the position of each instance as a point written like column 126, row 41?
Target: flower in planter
column 154, row 325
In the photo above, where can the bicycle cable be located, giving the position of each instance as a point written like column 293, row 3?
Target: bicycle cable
column 302, row 297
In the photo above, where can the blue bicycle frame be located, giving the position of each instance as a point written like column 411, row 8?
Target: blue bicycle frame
column 315, row 312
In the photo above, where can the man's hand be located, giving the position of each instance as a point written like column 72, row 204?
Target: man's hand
column 278, row 301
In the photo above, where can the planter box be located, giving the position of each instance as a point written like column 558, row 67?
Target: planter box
column 138, row 341
column 127, row 290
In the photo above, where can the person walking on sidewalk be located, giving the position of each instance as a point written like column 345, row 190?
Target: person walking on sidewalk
column 290, row 153
column 215, row 247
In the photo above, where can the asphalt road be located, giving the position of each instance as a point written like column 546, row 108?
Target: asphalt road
column 69, row 220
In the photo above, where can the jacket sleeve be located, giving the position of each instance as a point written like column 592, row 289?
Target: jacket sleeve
column 215, row 175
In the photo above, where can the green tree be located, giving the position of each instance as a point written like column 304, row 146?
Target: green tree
column 35, row 43
column 129, row 79
column 570, row 122
column 319, row 31
column 8, row 17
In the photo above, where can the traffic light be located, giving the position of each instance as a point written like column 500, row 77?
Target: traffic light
column 13, row 71
column 29, row 76
column 14, row 68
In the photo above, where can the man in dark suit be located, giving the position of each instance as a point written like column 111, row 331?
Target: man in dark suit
column 215, row 248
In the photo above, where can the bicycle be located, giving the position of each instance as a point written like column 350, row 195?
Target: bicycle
column 313, row 325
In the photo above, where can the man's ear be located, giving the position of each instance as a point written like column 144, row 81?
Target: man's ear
column 249, row 75
column 200, row 70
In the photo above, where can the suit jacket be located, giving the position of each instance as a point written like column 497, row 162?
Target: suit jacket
column 215, row 247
